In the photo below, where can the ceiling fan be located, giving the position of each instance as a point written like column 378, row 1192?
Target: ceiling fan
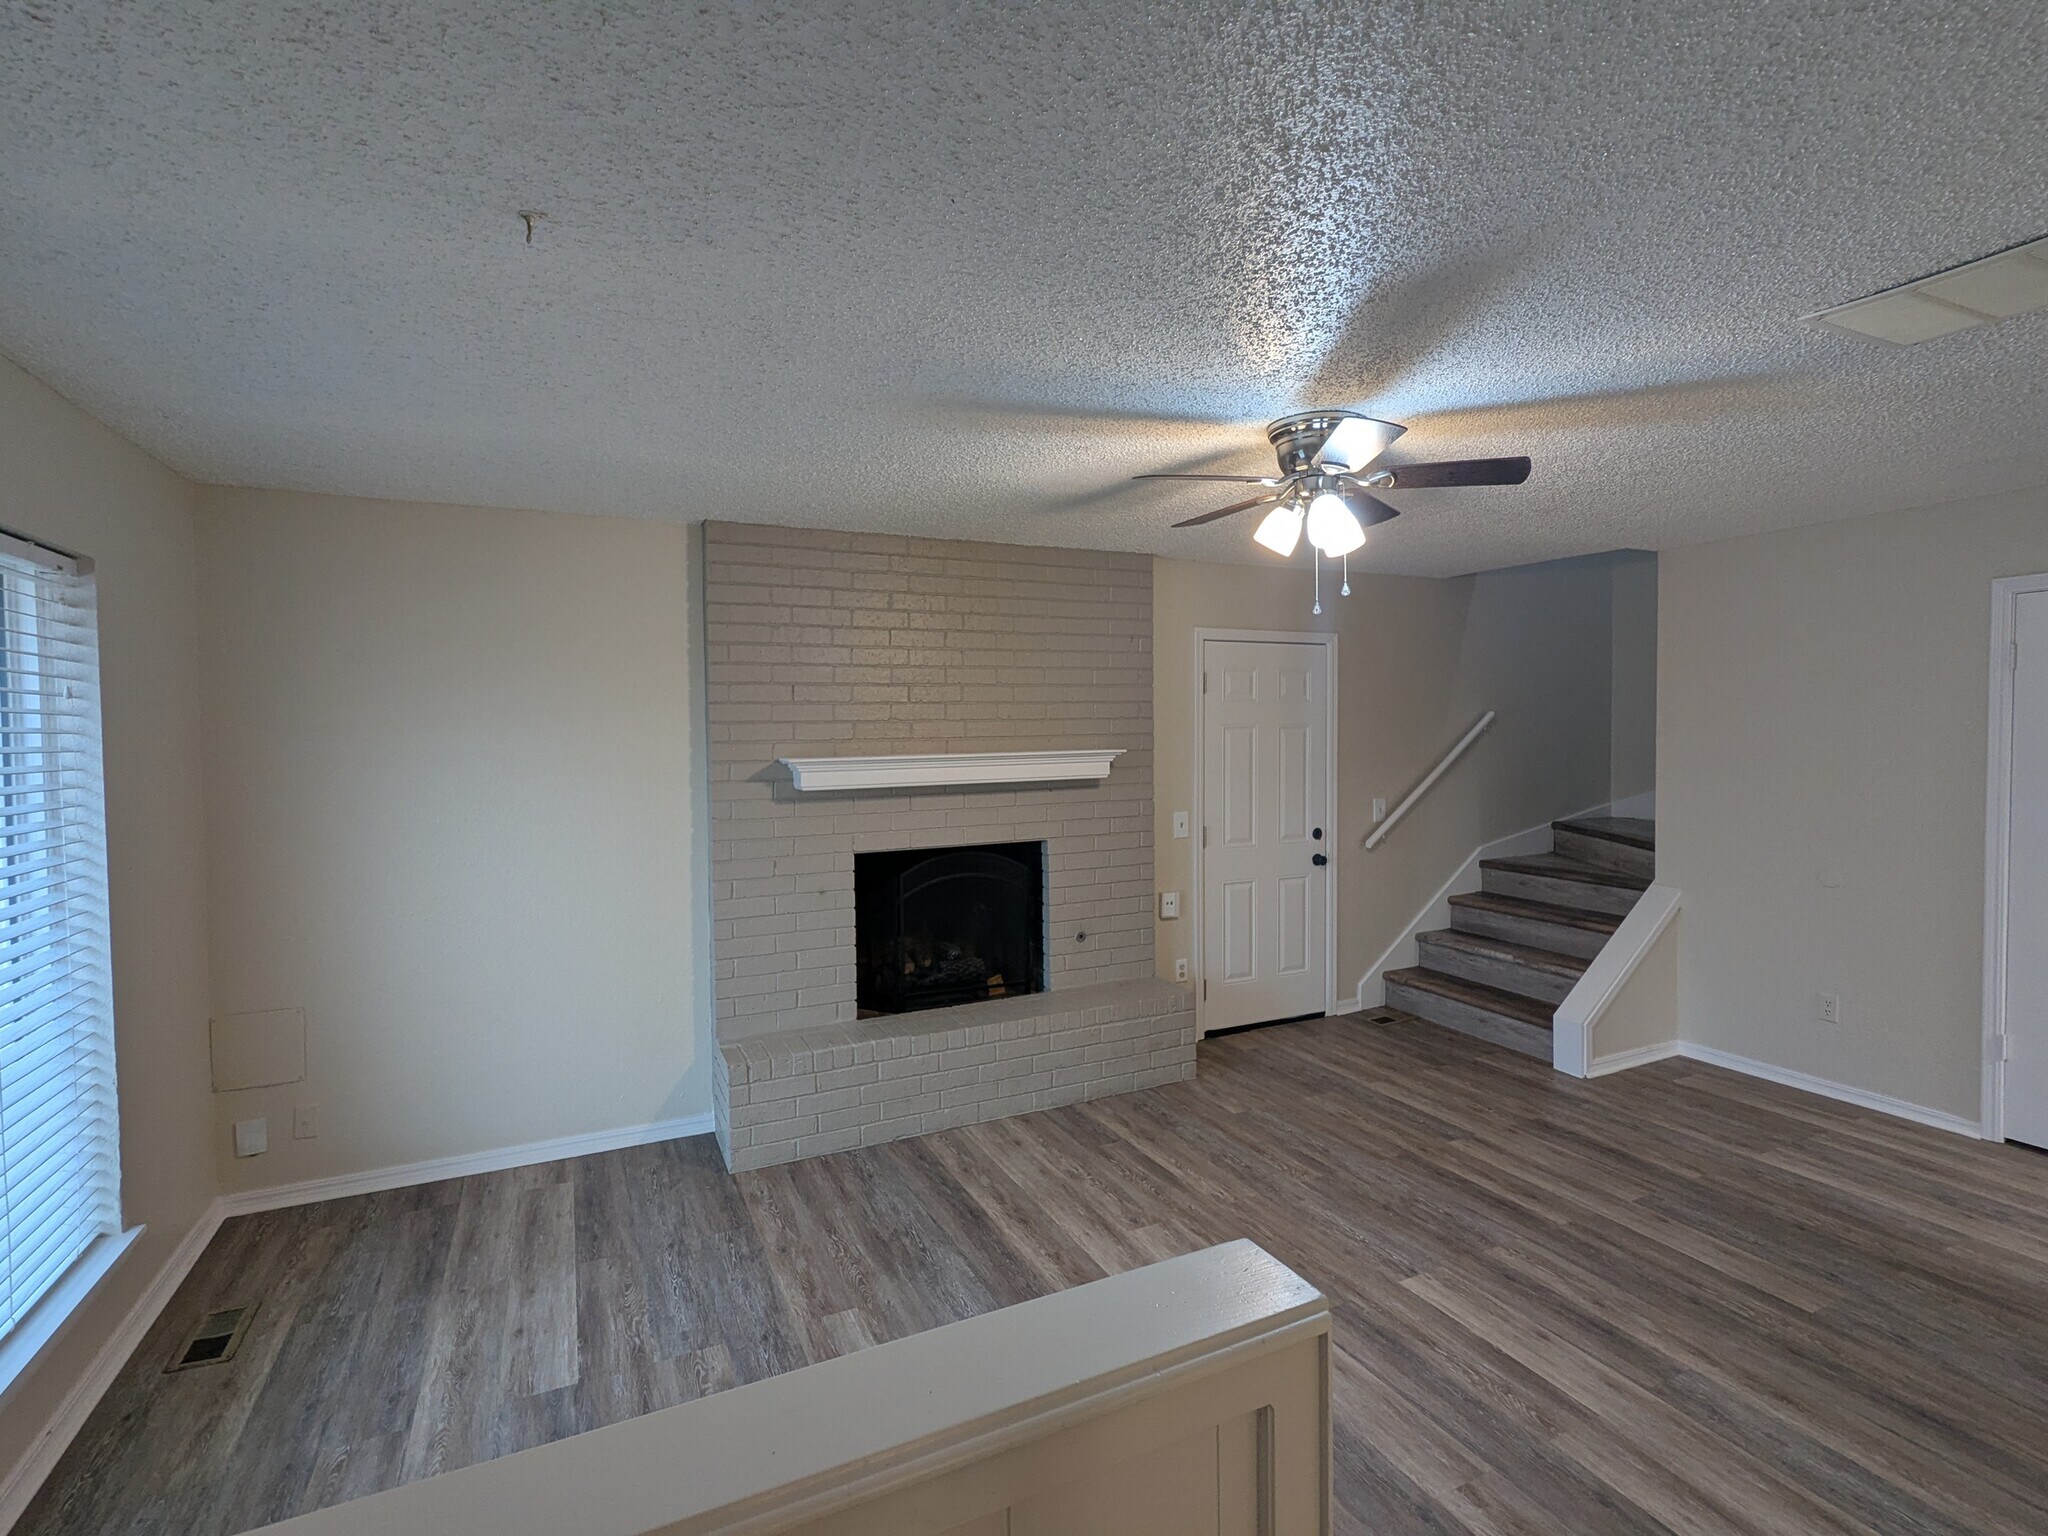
column 1325, row 488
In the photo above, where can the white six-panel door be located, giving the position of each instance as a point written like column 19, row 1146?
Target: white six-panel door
column 2026, row 901
column 1265, row 830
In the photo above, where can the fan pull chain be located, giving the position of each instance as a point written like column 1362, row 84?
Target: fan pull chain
column 1316, row 559
column 1345, row 590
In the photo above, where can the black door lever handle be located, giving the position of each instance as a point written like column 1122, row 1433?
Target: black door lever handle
column 1319, row 860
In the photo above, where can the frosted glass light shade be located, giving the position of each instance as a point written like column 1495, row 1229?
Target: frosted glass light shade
column 1281, row 530
column 1333, row 527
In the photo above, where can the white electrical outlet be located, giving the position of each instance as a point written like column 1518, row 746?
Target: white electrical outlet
column 1180, row 969
column 1169, row 904
column 1830, row 1008
column 305, row 1122
column 252, row 1137
column 1379, row 809
column 1180, row 823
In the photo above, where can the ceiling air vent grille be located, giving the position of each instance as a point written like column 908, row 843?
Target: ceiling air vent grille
column 215, row 1340
column 1984, row 292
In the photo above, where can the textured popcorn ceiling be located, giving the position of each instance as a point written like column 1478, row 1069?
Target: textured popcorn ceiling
column 962, row 269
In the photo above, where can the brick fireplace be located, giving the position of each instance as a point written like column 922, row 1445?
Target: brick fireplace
column 826, row 645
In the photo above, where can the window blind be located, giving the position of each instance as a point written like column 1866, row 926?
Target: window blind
column 59, row 1149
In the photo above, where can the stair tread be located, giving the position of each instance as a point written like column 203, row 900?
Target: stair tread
column 1538, row 911
column 1472, row 994
column 1635, row 831
column 1556, row 867
column 1502, row 949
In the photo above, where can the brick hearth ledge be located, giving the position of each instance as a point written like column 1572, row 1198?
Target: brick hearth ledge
column 800, row 1093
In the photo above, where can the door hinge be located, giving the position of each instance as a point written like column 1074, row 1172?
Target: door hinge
column 1205, row 837
column 1205, row 989
column 2002, row 1048
column 2015, row 658
column 1205, row 682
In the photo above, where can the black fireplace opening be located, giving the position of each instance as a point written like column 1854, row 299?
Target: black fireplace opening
column 940, row 926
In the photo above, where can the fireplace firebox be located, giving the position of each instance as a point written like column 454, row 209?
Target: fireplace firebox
column 935, row 927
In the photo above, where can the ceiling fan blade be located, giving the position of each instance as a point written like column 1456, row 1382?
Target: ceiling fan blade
column 1230, row 511
column 1371, row 510
column 1233, row 479
column 1451, row 472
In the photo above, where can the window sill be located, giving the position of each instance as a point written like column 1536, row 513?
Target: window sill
column 47, row 1319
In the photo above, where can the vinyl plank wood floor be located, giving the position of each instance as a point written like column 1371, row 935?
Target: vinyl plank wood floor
column 1671, row 1301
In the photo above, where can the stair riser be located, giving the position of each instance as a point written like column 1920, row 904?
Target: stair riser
column 1450, row 1013
column 1555, row 937
column 1614, row 900
column 1508, row 975
column 1606, row 853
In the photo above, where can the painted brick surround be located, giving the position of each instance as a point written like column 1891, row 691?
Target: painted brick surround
column 835, row 644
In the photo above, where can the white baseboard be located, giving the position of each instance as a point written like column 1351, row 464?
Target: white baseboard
column 1642, row 1056
column 1884, row 1103
column 276, row 1197
column 40, row 1459
column 1399, row 955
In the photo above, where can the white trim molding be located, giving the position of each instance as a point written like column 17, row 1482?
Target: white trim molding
column 1572, row 1026
column 2005, row 595
column 1883, row 1103
column 51, row 1315
column 1641, row 1056
column 928, row 770
column 43, row 1453
column 372, row 1181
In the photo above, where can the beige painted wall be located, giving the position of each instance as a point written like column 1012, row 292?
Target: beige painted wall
column 453, row 798
column 69, row 480
column 1643, row 1013
column 1418, row 661
column 1821, row 769
column 1632, row 735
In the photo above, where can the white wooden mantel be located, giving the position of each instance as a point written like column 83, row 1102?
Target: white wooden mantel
column 928, row 770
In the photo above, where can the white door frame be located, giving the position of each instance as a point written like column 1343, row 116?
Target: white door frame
column 2005, row 595
column 1288, row 637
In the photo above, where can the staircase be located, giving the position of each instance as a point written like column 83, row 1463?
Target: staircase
column 1518, row 944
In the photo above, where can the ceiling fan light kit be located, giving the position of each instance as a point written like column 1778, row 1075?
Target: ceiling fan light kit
column 1281, row 530
column 1320, row 489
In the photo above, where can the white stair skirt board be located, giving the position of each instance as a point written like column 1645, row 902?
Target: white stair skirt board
column 55, row 1437
column 1401, row 954
column 1883, row 1103
column 940, row 769
column 1574, row 1025
column 1643, row 806
column 277, row 1196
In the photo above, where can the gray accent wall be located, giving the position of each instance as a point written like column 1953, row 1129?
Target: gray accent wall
column 822, row 644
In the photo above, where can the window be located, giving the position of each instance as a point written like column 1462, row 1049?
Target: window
column 59, row 1154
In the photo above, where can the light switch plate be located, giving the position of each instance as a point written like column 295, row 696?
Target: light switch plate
column 1180, row 823
column 1379, row 810
column 305, row 1122
column 252, row 1137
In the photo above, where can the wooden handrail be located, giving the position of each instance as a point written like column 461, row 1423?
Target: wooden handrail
column 1435, row 773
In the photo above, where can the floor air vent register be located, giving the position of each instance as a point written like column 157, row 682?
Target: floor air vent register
column 215, row 1340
